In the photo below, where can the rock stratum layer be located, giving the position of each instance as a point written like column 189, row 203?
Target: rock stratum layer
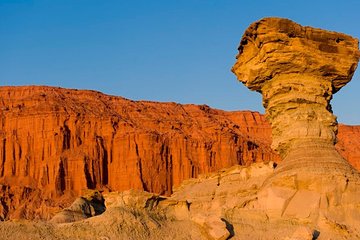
column 57, row 142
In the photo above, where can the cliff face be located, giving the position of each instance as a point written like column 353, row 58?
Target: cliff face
column 349, row 144
column 56, row 142
column 62, row 141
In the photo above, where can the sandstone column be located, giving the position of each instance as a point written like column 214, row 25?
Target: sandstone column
column 297, row 70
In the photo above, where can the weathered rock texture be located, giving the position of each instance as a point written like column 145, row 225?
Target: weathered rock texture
column 298, row 69
column 348, row 144
column 89, row 205
column 233, row 203
column 56, row 142
column 217, row 206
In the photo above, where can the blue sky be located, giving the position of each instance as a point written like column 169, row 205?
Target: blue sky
column 161, row 50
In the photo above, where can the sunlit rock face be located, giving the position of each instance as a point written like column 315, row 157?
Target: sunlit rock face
column 56, row 142
column 297, row 70
column 313, row 194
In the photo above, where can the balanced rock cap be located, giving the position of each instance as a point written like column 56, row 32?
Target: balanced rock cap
column 276, row 46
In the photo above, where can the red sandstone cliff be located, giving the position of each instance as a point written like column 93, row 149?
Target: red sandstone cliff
column 56, row 142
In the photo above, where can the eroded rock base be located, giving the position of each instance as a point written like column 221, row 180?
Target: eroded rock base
column 231, row 204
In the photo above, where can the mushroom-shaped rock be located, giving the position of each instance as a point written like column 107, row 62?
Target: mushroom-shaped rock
column 277, row 47
column 298, row 69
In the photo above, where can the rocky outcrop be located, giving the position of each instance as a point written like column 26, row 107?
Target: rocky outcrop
column 298, row 69
column 217, row 206
column 312, row 194
column 56, row 142
column 86, row 206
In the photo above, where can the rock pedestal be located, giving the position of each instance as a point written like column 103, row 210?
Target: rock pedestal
column 297, row 70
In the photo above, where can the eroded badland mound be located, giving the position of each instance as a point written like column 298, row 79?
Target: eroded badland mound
column 57, row 142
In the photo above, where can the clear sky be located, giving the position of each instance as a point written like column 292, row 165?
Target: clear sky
column 161, row 50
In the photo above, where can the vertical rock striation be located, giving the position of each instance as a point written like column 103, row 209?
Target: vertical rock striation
column 55, row 142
